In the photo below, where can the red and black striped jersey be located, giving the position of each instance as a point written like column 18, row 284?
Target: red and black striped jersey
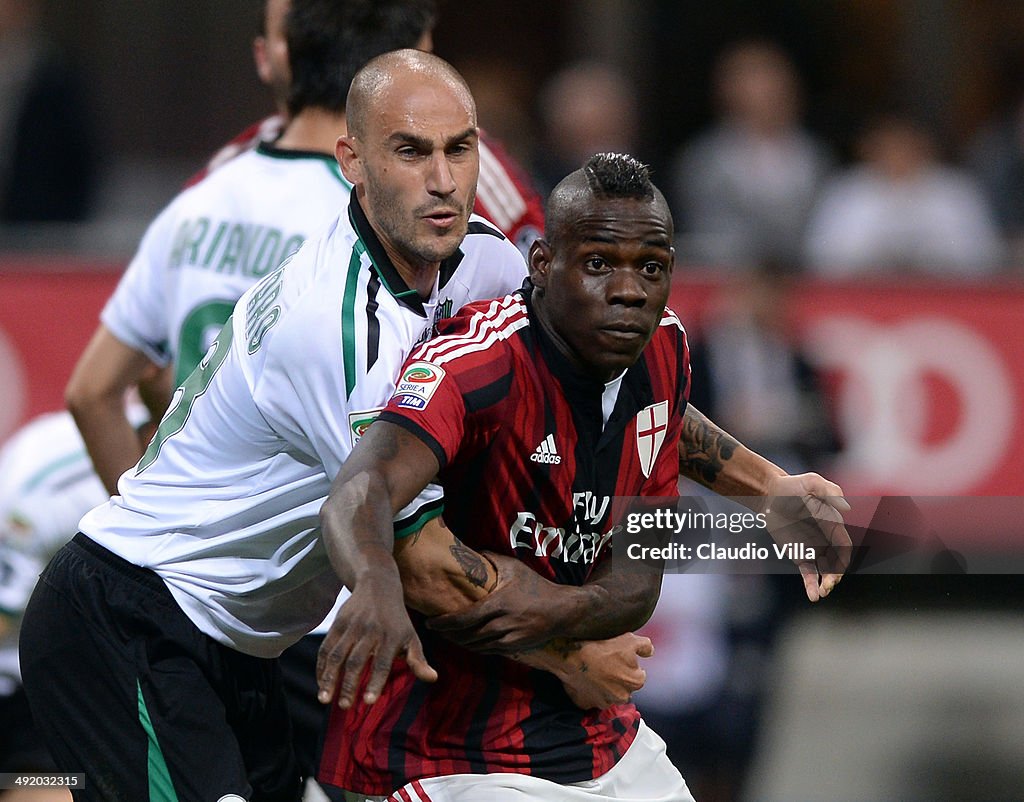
column 505, row 195
column 530, row 468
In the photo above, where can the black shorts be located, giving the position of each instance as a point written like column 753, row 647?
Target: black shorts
column 127, row 690
column 308, row 716
column 21, row 745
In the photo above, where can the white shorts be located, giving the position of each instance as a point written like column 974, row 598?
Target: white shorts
column 644, row 774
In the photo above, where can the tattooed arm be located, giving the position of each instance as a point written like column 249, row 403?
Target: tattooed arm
column 712, row 457
column 432, row 572
column 526, row 611
column 441, row 574
column 805, row 508
column 383, row 475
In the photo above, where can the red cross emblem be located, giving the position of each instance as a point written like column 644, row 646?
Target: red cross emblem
column 651, row 425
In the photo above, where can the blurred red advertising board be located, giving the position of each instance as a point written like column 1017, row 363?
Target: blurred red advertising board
column 927, row 381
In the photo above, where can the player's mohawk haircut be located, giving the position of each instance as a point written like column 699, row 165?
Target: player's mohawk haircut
column 605, row 176
column 618, row 175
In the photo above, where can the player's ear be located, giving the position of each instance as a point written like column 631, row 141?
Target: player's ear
column 540, row 262
column 348, row 159
column 259, row 55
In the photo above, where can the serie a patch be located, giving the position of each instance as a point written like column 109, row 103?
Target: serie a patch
column 359, row 422
column 418, row 384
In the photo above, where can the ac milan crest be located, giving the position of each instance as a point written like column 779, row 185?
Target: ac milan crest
column 651, row 425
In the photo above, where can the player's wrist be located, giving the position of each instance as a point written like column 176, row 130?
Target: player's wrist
column 768, row 473
column 378, row 570
column 559, row 656
column 759, row 481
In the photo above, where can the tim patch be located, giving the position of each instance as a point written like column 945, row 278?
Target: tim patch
column 418, row 384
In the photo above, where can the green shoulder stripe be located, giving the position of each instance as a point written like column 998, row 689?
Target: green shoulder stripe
column 185, row 396
column 44, row 472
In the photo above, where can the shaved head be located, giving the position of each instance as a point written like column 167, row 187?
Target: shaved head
column 398, row 68
column 411, row 154
column 605, row 176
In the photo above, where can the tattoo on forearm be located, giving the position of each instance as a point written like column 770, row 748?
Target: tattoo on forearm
column 704, row 448
column 474, row 567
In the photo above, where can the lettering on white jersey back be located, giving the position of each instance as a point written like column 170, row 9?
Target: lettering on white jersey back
column 232, row 247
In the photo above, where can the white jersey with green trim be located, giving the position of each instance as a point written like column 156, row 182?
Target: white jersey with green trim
column 224, row 506
column 46, row 484
column 214, row 241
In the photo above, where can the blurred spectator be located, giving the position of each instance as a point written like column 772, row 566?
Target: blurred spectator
column 744, row 188
column 751, row 376
column 901, row 209
column 49, row 168
column 996, row 158
column 503, row 93
column 586, row 108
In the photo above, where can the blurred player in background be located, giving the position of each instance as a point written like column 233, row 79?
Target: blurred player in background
column 147, row 647
column 221, row 235
column 505, row 195
column 46, row 485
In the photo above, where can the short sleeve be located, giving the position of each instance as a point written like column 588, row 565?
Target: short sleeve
column 136, row 314
column 428, row 402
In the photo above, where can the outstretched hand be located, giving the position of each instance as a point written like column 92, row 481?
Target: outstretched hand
column 807, row 509
column 370, row 631
column 520, row 614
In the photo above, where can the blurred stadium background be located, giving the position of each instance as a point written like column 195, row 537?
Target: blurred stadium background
column 898, row 687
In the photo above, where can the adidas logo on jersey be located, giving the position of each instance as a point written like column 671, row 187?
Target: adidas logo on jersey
column 546, row 453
